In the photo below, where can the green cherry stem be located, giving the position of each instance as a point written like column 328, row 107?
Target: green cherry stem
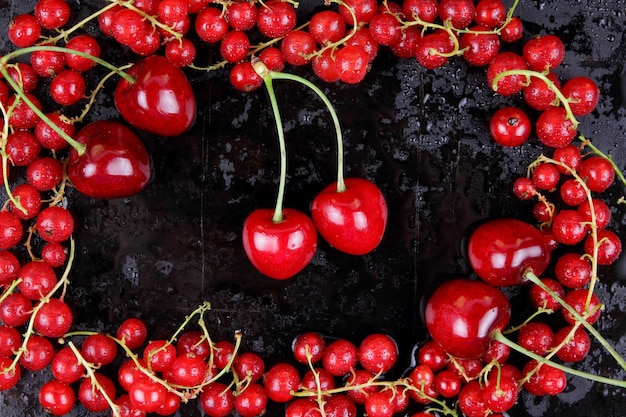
column 530, row 276
column 341, row 186
column 596, row 378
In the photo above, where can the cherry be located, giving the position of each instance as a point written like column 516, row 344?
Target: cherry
column 280, row 380
column 378, row 353
column 554, row 128
column 44, row 173
column 55, row 224
column 279, row 249
column 217, row 400
column 91, row 396
column 24, row 30
column 116, row 163
column 252, row 401
column 160, row 100
column 501, row 251
column 52, row 14
column 276, row 18
column 99, row 349
column 9, row 376
column 53, row 319
column 66, row 367
column 57, row 398
column 462, row 315
column 510, row 126
column 340, row 357
column 351, row 220
column 133, row 332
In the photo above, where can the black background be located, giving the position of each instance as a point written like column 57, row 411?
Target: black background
column 420, row 135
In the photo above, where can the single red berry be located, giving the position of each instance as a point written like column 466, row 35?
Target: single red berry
column 576, row 344
column 38, row 353
column 541, row 298
column 147, row 395
column 572, row 192
column 598, row 173
column 544, row 52
column 159, row 355
column 52, row 14
column 242, row 15
column 55, row 224
column 568, row 227
column 68, row 88
column 188, row 370
column 249, row 366
column 385, row 29
column 509, row 84
column 235, row 46
column 579, row 300
column 378, row 353
column 490, row 13
column 15, row 310
column 582, row 94
column 447, row 383
column 459, row 13
column 22, row 147
column 510, row 126
column 53, row 319
column 276, row 18
column 50, row 138
column 210, row 25
column 57, row 398
column 327, row 26
column 554, row 128
column 280, row 380
column 244, row 78
column 10, row 341
column 352, row 63
column 217, row 400
column 524, row 188
column 133, row 332
column 432, row 355
column 426, row 10
column 297, row 47
column 545, row 176
column 91, row 393
column 340, row 357
column 181, row 52
column 536, row 336
column 24, row 30
column 601, row 213
column 472, row 400
column 193, row 341
column 363, row 11
column 573, row 270
column 479, row 49
column 609, row 247
column 252, row 401
column 86, row 44
column 66, row 367
column 24, row 75
column 99, row 349
column 11, row 230
column 45, row 173
column 308, row 346
column 539, row 95
column 512, row 31
column 38, row 279
column 29, row 199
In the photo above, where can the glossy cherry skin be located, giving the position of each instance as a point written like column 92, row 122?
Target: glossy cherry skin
column 160, row 101
column 279, row 249
column 462, row 315
column 354, row 220
column 115, row 164
column 501, row 251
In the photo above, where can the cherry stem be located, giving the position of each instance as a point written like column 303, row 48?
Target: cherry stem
column 341, row 186
column 530, row 276
column 592, row 377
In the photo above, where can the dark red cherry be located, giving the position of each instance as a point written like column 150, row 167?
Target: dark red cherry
column 502, row 250
column 462, row 316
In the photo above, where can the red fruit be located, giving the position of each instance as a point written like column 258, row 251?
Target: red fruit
column 362, row 379
column 325, row 68
column 308, row 347
column 582, row 94
column 609, row 247
column 132, row 332
column 244, row 78
column 54, row 254
column 23, row 116
column 510, row 84
column 38, row 279
column 544, row 52
column 252, row 401
column 422, row 378
column 378, row 404
column 363, row 39
column 66, row 367
column 572, row 270
column 147, row 395
column 279, row 249
column 502, row 250
column 462, row 316
column 53, row 319
column 447, row 383
column 460, row 13
column 536, row 336
column 538, row 95
column 353, row 220
column 378, row 353
column 584, row 305
column 235, row 46
column 38, row 353
column 479, row 48
column 500, row 393
column 432, row 48
column 385, row 29
column 11, row 230
column 68, row 88
column 409, row 39
column 601, row 213
column 249, row 365
column 52, row 14
column 276, row 18
column 554, row 128
column 85, row 44
column 24, row 30
column 9, row 377
column 160, row 101
column 363, row 10
column 312, row 376
column 426, row 10
column 44, row 173
column 55, row 224
column 303, row 407
column 598, row 173
column 568, row 227
column 242, row 15
column 15, row 309
column 510, row 126
column 272, row 58
column 340, row 357
column 180, row 53
column 99, row 349
column 217, row 400
column 490, row 13
column 91, row 396
column 193, row 341
column 159, row 355
column 297, row 47
column 541, row 298
column 22, row 147
column 340, row 405
column 188, row 370
column 280, row 380
column 10, row 341
column 432, row 355
column 116, row 164
column 29, row 199
column 9, row 268
column 352, row 62
column 211, row 25
column 24, row 75
column 572, row 193
column 129, row 373
column 327, row 26
column 48, row 137
column 57, row 398
column 472, row 400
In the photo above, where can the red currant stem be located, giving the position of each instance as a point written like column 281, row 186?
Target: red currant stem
column 264, row 73
column 59, row 192
column 445, row 27
column 530, row 276
column 539, row 311
column 10, row 289
column 530, row 73
column 89, row 368
column 28, row 246
column 587, row 143
column 592, row 377
column 63, row 281
column 341, row 186
column 94, row 93
column 63, row 34
column 318, row 384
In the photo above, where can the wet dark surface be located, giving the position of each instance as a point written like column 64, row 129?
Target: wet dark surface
column 420, row 135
